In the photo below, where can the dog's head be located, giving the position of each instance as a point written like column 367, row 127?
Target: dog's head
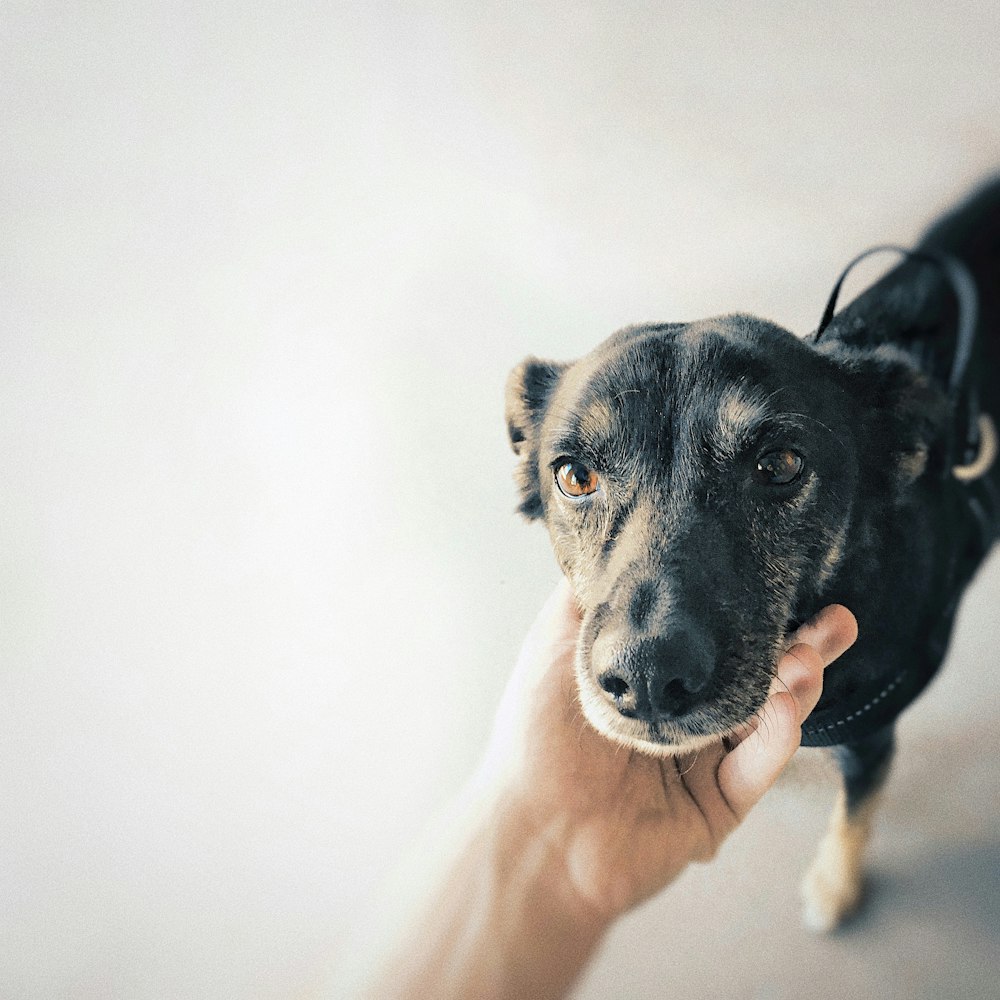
column 699, row 483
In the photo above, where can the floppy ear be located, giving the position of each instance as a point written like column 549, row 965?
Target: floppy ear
column 529, row 388
column 903, row 413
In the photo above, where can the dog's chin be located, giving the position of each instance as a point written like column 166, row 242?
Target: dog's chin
column 664, row 739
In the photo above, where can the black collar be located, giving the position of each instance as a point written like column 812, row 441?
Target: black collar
column 879, row 704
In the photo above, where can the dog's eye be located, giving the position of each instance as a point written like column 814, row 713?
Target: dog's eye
column 574, row 479
column 778, row 468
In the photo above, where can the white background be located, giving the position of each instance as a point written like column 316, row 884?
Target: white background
column 263, row 270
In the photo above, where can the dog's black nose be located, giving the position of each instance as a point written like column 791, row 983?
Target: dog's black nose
column 661, row 678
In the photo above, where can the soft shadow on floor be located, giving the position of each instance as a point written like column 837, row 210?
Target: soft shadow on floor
column 945, row 888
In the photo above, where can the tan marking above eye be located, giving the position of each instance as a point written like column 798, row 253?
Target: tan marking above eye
column 575, row 479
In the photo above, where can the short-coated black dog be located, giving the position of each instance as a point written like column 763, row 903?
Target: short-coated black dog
column 709, row 485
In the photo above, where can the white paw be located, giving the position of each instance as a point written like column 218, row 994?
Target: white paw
column 829, row 897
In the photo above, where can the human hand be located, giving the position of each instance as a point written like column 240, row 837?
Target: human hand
column 623, row 823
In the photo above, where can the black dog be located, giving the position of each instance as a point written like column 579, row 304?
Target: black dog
column 709, row 485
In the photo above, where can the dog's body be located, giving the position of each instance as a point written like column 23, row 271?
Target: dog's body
column 708, row 485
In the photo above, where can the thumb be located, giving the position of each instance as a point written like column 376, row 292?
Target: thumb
column 752, row 768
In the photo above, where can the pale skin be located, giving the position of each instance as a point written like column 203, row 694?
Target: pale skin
column 571, row 830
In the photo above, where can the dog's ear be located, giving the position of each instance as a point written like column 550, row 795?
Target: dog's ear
column 903, row 413
column 529, row 388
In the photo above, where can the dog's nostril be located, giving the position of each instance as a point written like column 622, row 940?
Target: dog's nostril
column 615, row 686
column 674, row 691
column 621, row 693
column 675, row 698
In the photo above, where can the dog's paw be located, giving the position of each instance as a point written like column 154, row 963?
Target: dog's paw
column 830, row 894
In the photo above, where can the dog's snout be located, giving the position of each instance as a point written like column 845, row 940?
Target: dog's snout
column 661, row 678
column 641, row 604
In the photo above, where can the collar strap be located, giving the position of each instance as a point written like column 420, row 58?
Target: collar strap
column 963, row 401
column 880, row 703
column 977, row 507
column 871, row 709
column 989, row 447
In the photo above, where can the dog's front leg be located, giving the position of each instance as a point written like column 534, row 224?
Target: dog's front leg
column 834, row 884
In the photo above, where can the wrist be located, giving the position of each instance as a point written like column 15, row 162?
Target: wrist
column 540, row 914
column 541, row 846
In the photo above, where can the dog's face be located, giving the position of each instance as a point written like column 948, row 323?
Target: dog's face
column 699, row 482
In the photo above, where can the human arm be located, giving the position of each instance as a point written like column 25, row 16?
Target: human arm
column 569, row 830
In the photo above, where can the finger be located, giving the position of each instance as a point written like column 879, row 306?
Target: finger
column 830, row 632
column 816, row 644
column 752, row 768
column 800, row 673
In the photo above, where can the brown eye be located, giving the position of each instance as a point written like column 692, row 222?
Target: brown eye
column 574, row 479
column 778, row 468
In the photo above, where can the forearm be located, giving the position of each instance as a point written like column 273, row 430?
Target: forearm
column 505, row 923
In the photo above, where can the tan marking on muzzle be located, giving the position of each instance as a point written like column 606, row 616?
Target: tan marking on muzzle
column 635, row 541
